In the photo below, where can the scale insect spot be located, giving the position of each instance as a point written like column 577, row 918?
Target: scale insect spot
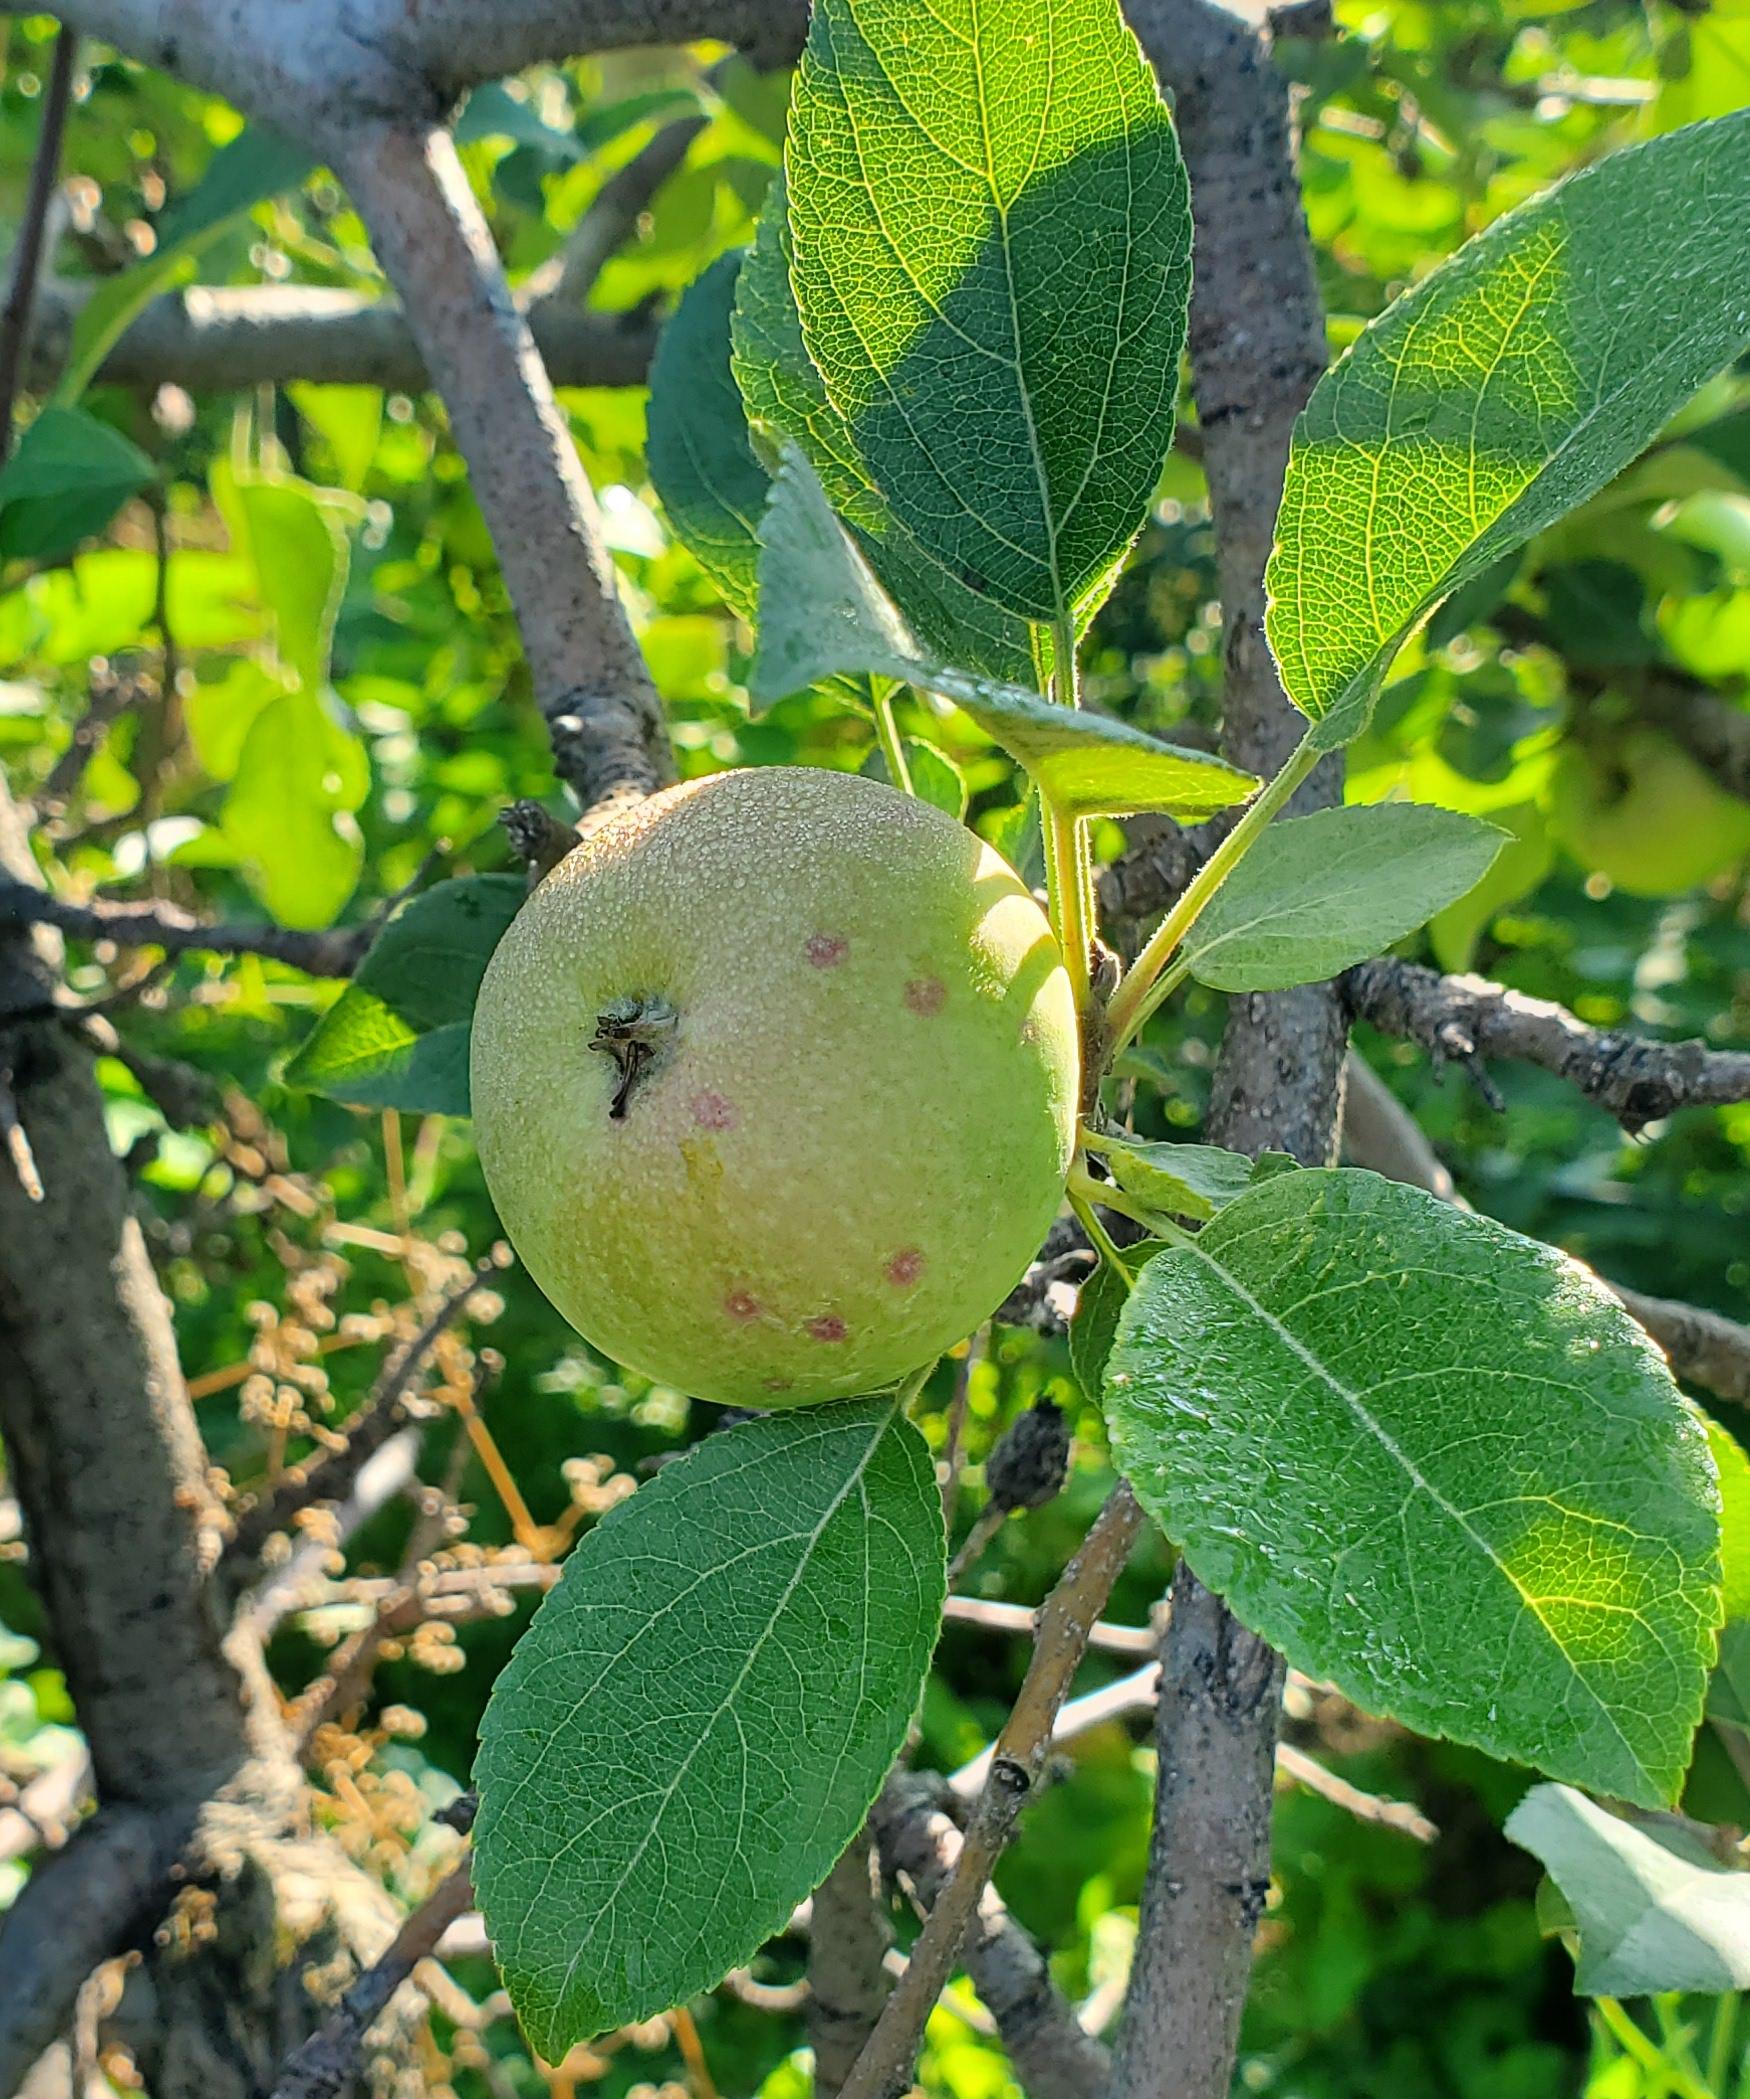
column 926, row 996
column 826, row 950
column 742, row 1305
column 711, row 1111
column 829, row 1327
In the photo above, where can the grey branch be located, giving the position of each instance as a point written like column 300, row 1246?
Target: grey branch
column 593, row 687
column 848, row 1941
column 178, row 932
column 1468, row 1019
column 921, row 1843
column 18, row 310
column 219, row 338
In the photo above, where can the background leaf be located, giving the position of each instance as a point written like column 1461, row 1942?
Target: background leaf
column 1654, row 1910
column 1318, row 893
column 695, row 1724
column 701, row 458
column 1183, row 1180
column 300, row 557
column 67, row 479
column 288, row 811
column 992, row 242
column 1524, row 1551
column 1498, row 395
column 397, row 1036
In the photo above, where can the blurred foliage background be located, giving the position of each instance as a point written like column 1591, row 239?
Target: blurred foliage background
column 312, row 695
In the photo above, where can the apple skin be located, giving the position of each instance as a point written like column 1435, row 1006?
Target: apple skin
column 851, row 1131
column 1643, row 812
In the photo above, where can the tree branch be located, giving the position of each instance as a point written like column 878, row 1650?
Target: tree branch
column 601, row 709
column 848, row 1939
column 329, row 954
column 225, row 338
column 922, row 1844
column 19, row 308
column 1064, row 1622
column 1257, row 347
column 1468, row 1019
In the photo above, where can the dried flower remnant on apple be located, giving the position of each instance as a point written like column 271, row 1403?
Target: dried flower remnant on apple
column 774, row 1085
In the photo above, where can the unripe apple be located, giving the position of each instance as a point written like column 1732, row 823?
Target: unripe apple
column 1642, row 811
column 774, row 1084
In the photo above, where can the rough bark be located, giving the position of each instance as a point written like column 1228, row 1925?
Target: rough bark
column 848, row 1938
column 1257, row 348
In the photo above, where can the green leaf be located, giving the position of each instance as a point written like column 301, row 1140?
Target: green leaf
column 257, row 163
column 701, row 458
column 1180, row 1180
column 300, row 557
column 67, row 479
column 1436, row 1463
column 1317, row 893
column 935, row 778
column 1095, row 1325
column 785, row 399
column 992, row 247
column 823, row 611
column 694, row 1726
column 397, row 1036
column 288, row 812
column 1733, row 1468
column 1493, row 398
column 350, row 419
column 1653, row 1907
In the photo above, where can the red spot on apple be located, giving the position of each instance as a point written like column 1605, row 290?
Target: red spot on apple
column 905, row 1267
column 826, row 950
column 712, row 1112
column 926, row 996
column 829, row 1327
column 741, row 1304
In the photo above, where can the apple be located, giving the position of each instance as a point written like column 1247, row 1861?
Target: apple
column 774, row 1085
column 1639, row 809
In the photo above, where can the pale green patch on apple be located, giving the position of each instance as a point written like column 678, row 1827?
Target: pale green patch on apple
column 775, row 1083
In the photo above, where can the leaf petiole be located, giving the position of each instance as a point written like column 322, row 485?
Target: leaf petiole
column 1101, row 1240
column 1132, row 1002
column 887, row 729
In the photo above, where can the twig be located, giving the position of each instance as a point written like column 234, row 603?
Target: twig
column 1365, row 1807
column 111, row 697
column 922, row 1843
column 611, row 218
column 331, row 954
column 1022, row 1618
column 19, row 1155
column 1065, row 1621
column 330, row 1476
column 1467, row 1019
column 602, row 712
column 15, row 314
column 326, row 2060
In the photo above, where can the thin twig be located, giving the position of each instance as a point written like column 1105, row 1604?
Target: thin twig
column 19, row 1155
column 20, row 303
column 327, row 2059
column 1065, row 1622
column 330, row 1476
column 610, row 219
column 1022, row 1618
column 111, row 697
column 1307, row 1771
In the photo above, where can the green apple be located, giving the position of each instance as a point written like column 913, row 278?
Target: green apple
column 1640, row 810
column 774, row 1084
